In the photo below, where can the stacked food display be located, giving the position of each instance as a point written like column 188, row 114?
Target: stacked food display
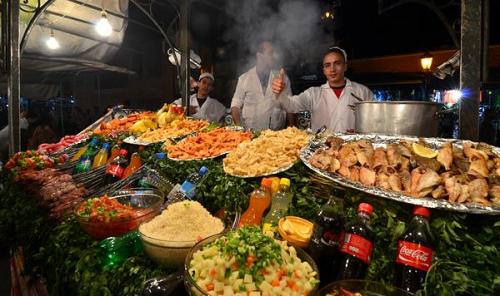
column 359, row 212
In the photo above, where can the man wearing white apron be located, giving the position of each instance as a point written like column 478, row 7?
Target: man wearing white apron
column 331, row 104
column 254, row 104
column 201, row 105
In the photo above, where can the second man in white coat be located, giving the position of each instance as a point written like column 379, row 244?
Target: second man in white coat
column 254, row 104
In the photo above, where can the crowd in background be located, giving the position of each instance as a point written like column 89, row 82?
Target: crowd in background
column 42, row 123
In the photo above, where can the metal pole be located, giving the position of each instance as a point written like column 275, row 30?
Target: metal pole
column 486, row 40
column 13, row 87
column 470, row 69
column 185, row 51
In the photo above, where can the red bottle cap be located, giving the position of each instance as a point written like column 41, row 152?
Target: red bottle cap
column 365, row 207
column 266, row 182
column 123, row 153
column 421, row 211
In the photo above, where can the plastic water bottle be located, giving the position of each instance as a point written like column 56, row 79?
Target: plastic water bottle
column 188, row 188
column 192, row 181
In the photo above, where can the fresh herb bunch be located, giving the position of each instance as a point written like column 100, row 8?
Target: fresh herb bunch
column 253, row 250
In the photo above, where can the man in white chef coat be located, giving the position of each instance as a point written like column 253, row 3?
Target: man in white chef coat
column 254, row 104
column 201, row 105
column 331, row 104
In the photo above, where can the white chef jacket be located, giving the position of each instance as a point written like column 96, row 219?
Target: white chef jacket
column 337, row 114
column 212, row 110
column 259, row 110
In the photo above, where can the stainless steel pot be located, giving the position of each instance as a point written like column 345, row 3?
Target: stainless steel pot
column 398, row 118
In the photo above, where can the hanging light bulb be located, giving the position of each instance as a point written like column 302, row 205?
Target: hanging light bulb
column 103, row 27
column 52, row 42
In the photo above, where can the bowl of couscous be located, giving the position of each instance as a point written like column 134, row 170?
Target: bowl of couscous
column 168, row 237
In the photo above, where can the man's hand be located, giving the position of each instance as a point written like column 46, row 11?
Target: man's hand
column 279, row 82
column 235, row 113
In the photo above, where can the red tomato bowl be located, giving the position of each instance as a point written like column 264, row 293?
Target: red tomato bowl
column 123, row 212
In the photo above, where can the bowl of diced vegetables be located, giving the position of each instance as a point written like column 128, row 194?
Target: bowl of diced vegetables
column 247, row 262
column 119, row 213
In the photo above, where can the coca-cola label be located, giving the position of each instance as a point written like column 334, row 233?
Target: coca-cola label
column 357, row 246
column 115, row 171
column 414, row 255
column 325, row 236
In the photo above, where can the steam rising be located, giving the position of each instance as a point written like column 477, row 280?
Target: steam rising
column 292, row 25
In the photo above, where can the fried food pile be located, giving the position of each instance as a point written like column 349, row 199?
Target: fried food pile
column 210, row 144
column 178, row 128
column 271, row 151
column 468, row 174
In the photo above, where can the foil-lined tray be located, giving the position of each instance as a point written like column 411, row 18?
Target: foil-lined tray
column 380, row 141
column 233, row 128
column 277, row 171
column 199, row 159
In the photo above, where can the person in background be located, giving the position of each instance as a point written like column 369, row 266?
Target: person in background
column 43, row 133
column 331, row 104
column 254, row 104
column 201, row 105
column 4, row 133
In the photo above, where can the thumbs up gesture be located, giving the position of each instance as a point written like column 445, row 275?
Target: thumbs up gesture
column 279, row 82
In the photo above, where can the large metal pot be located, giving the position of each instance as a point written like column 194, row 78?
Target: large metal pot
column 398, row 118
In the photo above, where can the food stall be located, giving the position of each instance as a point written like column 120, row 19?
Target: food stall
column 145, row 202
column 44, row 202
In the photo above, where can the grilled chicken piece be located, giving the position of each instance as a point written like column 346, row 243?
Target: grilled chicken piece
column 404, row 150
column 367, row 176
column 494, row 194
column 405, row 180
column 393, row 156
column 395, row 182
column 473, row 153
column 344, row 171
column 380, row 158
column 464, row 194
column 428, row 180
column 479, row 191
column 347, row 156
column 438, row 192
column 405, row 164
column 453, row 188
column 361, row 156
column 365, row 144
column 320, row 160
column 334, row 165
column 334, row 142
column 445, row 155
column 354, row 173
column 478, row 168
column 415, row 178
column 382, row 181
column 428, row 163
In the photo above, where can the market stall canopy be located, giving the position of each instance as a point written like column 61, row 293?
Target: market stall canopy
column 81, row 48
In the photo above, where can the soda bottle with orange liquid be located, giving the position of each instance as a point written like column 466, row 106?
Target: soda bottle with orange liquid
column 135, row 164
column 260, row 199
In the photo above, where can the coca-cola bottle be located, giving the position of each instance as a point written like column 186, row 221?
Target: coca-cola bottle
column 357, row 245
column 415, row 250
column 114, row 170
column 326, row 236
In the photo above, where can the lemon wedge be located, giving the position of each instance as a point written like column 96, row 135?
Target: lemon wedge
column 424, row 151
